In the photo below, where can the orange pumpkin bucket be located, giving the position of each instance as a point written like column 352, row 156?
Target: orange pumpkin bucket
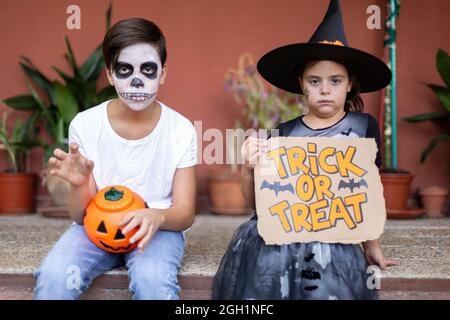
column 103, row 213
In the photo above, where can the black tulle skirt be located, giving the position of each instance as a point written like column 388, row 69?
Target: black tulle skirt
column 250, row 269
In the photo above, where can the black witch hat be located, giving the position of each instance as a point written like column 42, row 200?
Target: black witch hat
column 280, row 65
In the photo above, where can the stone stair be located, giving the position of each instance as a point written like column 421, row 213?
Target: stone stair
column 421, row 246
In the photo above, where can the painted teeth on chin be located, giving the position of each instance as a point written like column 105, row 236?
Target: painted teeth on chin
column 136, row 96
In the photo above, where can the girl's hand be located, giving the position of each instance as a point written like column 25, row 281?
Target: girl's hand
column 148, row 222
column 72, row 166
column 251, row 150
column 374, row 255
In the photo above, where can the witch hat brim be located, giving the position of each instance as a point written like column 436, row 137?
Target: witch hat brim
column 279, row 66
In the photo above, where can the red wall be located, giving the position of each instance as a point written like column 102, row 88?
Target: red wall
column 206, row 37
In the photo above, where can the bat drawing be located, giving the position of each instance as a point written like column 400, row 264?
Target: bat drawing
column 352, row 184
column 277, row 187
column 310, row 274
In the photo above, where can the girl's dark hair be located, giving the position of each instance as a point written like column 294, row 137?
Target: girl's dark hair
column 131, row 31
column 353, row 101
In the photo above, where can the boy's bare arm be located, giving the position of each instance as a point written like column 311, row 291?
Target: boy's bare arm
column 178, row 217
column 79, row 198
column 76, row 170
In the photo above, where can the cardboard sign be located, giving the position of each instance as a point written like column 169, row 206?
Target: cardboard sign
column 319, row 189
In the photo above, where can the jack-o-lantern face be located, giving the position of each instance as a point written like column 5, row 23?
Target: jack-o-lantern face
column 105, row 211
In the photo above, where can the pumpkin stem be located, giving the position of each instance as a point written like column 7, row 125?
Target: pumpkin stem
column 113, row 194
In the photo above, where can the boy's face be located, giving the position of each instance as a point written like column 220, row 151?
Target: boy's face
column 325, row 85
column 137, row 75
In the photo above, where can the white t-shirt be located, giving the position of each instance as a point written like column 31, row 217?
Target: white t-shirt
column 147, row 166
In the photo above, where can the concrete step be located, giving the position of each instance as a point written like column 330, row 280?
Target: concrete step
column 111, row 286
column 414, row 295
column 421, row 246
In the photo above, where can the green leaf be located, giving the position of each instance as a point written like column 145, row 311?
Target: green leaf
column 71, row 57
column 83, row 91
column 90, row 94
column 38, row 78
column 62, row 74
column 108, row 16
column 51, row 147
column 32, row 124
column 442, row 93
column 36, row 97
column 60, row 131
column 443, row 66
column 433, row 143
column 21, row 102
column 49, row 122
column 107, row 93
column 426, row 117
column 47, row 115
column 65, row 101
column 92, row 67
column 18, row 131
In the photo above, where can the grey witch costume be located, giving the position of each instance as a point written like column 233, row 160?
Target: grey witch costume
column 250, row 269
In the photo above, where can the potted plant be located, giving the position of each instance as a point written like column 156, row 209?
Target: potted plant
column 17, row 186
column 433, row 197
column 396, row 181
column 62, row 100
column 264, row 107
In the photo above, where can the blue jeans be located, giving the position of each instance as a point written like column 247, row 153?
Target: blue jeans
column 69, row 268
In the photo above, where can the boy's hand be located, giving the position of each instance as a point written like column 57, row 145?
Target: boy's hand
column 374, row 255
column 72, row 166
column 251, row 150
column 148, row 222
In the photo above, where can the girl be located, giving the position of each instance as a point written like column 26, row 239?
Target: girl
column 330, row 75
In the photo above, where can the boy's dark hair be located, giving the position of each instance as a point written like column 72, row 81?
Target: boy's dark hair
column 353, row 101
column 131, row 31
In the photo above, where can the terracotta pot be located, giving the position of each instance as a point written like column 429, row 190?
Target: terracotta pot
column 17, row 192
column 225, row 193
column 433, row 199
column 396, row 189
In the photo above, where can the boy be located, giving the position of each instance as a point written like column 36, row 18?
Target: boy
column 137, row 142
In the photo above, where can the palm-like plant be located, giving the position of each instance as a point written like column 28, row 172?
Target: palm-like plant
column 18, row 143
column 443, row 94
column 63, row 99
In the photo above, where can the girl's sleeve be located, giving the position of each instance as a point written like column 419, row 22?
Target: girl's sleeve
column 283, row 129
column 276, row 132
column 373, row 131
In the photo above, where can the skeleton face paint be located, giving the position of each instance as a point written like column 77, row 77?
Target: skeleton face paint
column 136, row 75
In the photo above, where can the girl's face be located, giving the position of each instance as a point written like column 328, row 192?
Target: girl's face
column 325, row 85
column 137, row 75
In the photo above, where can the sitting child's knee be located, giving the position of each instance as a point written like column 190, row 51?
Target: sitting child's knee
column 59, row 275
column 153, row 285
column 53, row 282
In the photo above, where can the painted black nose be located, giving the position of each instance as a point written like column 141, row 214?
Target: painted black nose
column 137, row 83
